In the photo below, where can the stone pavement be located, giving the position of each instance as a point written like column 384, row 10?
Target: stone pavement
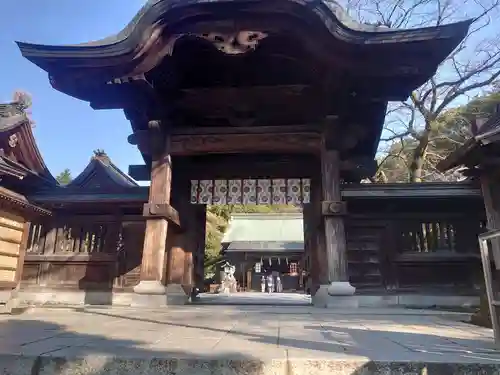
column 256, row 298
column 244, row 340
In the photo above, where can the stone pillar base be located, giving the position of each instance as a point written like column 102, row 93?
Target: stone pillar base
column 149, row 294
column 343, row 297
column 341, row 288
column 176, row 295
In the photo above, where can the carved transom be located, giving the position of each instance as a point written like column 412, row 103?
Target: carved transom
column 236, row 42
column 293, row 191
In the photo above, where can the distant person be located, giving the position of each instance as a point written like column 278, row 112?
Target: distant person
column 279, row 286
column 270, row 284
column 262, row 284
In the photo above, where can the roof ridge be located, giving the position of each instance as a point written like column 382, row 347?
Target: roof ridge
column 102, row 161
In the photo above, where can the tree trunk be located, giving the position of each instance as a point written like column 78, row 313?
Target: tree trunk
column 418, row 157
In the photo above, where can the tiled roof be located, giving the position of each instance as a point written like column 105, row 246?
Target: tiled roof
column 102, row 173
column 273, row 227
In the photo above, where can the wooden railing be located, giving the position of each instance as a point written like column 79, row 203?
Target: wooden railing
column 83, row 254
column 53, row 239
column 436, row 251
column 447, row 236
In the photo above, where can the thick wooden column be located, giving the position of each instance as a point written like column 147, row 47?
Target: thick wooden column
column 333, row 211
column 199, row 256
column 183, row 246
column 156, row 229
column 336, row 248
column 490, row 186
column 154, row 141
column 314, row 239
column 178, row 246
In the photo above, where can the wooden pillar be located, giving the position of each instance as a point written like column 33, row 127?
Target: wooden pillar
column 333, row 211
column 199, row 256
column 185, row 247
column 156, row 230
column 491, row 196
column 308, row 248
column 150, row 290
column 314, row 239
column 179, row 262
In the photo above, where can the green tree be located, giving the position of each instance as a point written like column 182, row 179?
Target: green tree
column 64, row 177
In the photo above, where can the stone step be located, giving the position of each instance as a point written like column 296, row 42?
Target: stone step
column 235, row 365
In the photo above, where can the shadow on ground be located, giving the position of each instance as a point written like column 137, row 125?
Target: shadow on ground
column 54, row 349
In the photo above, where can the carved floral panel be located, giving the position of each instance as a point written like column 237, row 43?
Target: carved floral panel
column 264, row 195
column 306, row 190
column 220, row 192
column 206, row 192
column 292, row 191
column 194, row 191
column 249, row 191
column 279, row 190
column 234, row 194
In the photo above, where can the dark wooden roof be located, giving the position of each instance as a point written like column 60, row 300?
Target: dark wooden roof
column 21, row 203
column 101, row 173
column 307, row 56
column 465, row 189
column 101, row 182
column 318, row 31
column 19, row 154
column 480, row 149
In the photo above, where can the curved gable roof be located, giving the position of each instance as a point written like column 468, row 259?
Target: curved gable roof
column 322, row 26
column 18, row 144
column 102, row 173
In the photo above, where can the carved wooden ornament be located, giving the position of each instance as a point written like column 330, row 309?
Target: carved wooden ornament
column 331, row 208
column 13, row 140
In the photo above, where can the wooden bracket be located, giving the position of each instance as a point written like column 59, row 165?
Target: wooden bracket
column 332, row 208
column 161, row 211
column 152, row 141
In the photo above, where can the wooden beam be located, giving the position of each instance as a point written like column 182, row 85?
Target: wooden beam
column 162, row 210
column 202, row 144
column 244, row 143
column 219, row 166
column 208, row 130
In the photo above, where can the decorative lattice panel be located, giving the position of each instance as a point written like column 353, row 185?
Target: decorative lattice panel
column 291, row 191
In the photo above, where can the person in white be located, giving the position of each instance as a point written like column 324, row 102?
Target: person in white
column 279, row 286
column 270, row 286
column 262, row 284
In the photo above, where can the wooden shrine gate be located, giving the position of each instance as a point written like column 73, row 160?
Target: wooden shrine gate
column 312, row 96
column 176, row 216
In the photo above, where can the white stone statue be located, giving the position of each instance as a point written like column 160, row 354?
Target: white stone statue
column 228, row 282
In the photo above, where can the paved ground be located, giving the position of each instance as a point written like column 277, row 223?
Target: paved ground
column 267, row 340
column 256, row 298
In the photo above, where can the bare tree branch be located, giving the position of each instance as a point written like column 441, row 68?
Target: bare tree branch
column 414, row 129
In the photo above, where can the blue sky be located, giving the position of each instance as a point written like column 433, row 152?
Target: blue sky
column 67, row 130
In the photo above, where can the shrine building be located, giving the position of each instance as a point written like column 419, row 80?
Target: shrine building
column 263, row 244
column 230, row 102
